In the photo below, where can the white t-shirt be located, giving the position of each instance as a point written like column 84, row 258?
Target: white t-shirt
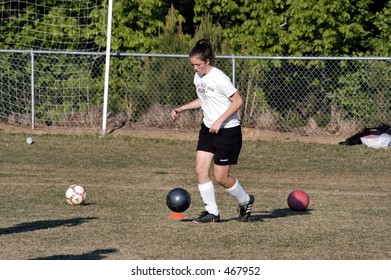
column 214, row 89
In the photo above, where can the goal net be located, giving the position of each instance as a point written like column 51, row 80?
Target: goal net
column 52, row 62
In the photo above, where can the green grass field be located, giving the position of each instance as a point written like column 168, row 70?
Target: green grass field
column 127, row 179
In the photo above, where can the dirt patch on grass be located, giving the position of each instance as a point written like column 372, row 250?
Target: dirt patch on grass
column 248, row 134
column 181, row 134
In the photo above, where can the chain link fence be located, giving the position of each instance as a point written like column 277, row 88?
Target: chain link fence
column 298, row 94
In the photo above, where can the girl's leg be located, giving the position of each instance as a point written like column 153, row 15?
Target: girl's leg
column 230, row 183
column 203, row 163
column 205, row 184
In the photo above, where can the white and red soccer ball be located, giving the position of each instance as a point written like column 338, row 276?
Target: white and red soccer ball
column 75, row 195
column 298, row 200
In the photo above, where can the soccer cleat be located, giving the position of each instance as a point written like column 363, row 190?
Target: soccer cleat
column 206, row 217
column 245, row 210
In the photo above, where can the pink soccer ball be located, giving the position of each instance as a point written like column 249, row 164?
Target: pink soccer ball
column 298, row 200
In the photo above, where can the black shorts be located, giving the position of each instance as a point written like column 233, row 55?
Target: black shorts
column 225, row 145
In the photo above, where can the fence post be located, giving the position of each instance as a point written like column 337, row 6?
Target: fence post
column 233, row 69
column 32, row 90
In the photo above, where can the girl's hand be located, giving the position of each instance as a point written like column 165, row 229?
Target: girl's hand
column 175, row 112
column 215, row 127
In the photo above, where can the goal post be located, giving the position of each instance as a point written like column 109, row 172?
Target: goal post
column 107, row 69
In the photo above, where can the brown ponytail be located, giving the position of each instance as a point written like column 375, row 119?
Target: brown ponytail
column 203, row 49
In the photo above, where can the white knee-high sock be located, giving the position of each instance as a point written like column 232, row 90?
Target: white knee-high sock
column 207, row 192
column 237, row 192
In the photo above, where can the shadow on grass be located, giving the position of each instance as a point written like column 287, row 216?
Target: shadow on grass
column 277, row 213
column 260, row 216
column 93, row 255
column 45, row 224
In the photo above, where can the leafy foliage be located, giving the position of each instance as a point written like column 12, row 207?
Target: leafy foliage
column 270, row 27
column 245, row 27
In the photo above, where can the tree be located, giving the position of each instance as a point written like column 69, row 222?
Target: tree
column 136, row 24
column 185, row 9
column 292, row 27
column 171, row 38
column 321, row 27
column 381, row 42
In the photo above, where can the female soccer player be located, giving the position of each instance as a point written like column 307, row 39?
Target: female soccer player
column 220, row 136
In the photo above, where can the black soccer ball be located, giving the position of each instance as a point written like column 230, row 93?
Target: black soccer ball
column 178, row 200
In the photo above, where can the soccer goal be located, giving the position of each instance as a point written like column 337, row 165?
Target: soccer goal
column 54, row 62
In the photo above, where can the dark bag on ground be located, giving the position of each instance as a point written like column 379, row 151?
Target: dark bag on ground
column 356, row 138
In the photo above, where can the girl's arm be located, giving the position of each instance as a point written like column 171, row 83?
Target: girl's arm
column 195, row 104
column 236, row 104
